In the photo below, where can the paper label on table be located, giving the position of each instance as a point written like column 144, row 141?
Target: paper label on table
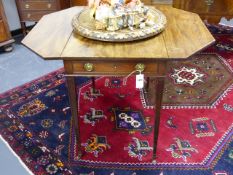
column 140, row 81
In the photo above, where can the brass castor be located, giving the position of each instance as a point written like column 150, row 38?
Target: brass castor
column 8, row 48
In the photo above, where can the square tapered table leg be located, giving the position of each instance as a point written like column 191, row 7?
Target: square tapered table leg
column 72, row 91
column 159, row 86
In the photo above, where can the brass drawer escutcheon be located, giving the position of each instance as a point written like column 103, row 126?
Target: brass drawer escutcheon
column 49, row 6
column 88, row 67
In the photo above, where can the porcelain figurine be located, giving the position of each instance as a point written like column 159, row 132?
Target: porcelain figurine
column 113, row 15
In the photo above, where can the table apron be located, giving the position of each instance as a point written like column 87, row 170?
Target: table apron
column 113, row 68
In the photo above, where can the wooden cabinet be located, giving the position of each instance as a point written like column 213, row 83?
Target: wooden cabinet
column 5, row 36
column 33, row 10
column 78, row 2
column 210, row 10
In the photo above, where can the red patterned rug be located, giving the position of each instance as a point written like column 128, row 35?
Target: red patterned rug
column 114, row 118
column 196, row 129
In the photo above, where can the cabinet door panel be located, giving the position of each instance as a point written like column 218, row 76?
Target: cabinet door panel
column 210, row 10
column 212, row 7
column 3, row 35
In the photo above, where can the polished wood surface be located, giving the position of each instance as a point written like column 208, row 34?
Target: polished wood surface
column 52, row 39
column 85, row 49
column 31, row 10
column 78, row 2
column 184, row 35
column 6, row 39
column 211, row 10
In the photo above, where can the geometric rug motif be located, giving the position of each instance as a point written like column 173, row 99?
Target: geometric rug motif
column 181, row 149
column 202, row 127
column 199, row 82
column 129, row 120
column 48, row 133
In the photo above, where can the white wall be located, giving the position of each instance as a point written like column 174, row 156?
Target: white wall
column 11, row 14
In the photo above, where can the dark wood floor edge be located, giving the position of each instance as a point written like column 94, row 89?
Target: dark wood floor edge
column 16, row 32
column 19, row 31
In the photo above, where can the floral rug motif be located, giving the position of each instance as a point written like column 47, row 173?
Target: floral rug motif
column 196, row 134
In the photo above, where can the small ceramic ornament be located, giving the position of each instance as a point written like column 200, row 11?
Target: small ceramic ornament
column 113, row 15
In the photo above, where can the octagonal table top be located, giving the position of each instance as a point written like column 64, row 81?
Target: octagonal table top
column 53, row 38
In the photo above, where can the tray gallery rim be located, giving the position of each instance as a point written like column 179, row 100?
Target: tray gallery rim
column 87, row 30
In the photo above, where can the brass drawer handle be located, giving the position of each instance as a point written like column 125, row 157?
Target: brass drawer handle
column 115, row 67
column 88, row 67
column 49, row 5
column 209, row 2
column 28, row 15
column 27, row 6
column 140, row 67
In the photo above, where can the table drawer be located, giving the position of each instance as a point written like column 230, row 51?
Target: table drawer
column 38, row 5
column 33, row 15
column 114, row 68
